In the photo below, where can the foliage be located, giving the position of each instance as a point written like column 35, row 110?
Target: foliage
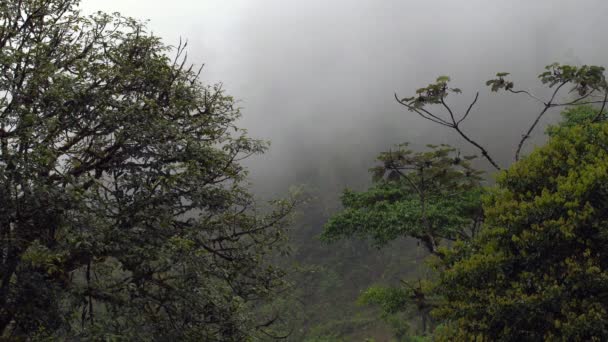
column 430, row 196
column 538, row 270
column 434, row 93
column 392, row 300
column 397, row 309
column 321, row 305
column 124, row 209
column 584, row 79
column 573, row 116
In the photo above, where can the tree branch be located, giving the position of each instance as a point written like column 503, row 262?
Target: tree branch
column 537, row 120
column 469, row 109
column 484, row 152
column 527, row 93
column 599, row 115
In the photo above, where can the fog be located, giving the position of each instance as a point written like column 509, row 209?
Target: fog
column 317, row 77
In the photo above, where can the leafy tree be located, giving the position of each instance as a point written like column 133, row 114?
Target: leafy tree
column 538, row 270
column 124, row 209
column 432, row 196
column 503, row 317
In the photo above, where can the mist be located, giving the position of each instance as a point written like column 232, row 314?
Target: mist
column 165, row 254
column 317, row 78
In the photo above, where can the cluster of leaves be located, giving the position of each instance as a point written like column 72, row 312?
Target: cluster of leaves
column 585, row 78
column 434, row 93
column 124, row 209
column 500, row 82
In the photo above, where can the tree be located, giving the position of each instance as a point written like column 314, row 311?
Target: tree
column 483, row 288
column 124, row 209
column 472, row 319
column 538, row 270
column 431, row 196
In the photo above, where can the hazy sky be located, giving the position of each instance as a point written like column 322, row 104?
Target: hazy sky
column 317, row 77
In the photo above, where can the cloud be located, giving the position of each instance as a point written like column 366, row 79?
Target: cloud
column 317, row 77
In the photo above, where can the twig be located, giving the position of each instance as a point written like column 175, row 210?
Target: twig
column 527, row 93
column 469, row 109
column 537, row 120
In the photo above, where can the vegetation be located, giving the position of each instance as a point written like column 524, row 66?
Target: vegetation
column 431, row 196
column 538, row 270
column 524, row 263
column 124, row 214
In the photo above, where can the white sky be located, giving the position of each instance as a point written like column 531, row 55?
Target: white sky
column 317, row 76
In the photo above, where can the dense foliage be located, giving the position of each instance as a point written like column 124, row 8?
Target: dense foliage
column 123, row 209
column 539, row 269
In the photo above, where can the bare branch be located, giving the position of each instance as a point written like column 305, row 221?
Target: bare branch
column 527, row 93
column 484, row 152
column 469, row 109
column 454, row 124
column 537, row 120
column 445, row 105
column 430, row 117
